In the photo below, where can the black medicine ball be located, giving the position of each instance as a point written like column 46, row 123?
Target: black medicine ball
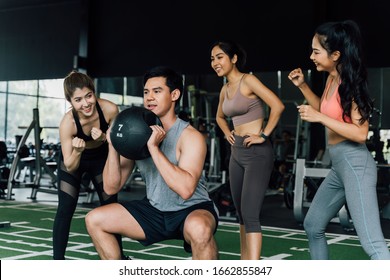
column 130, row 132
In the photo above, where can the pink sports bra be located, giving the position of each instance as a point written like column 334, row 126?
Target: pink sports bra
column 241, row 108
column 332, row 107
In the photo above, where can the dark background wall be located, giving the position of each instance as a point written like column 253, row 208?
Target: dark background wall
column 39, row 38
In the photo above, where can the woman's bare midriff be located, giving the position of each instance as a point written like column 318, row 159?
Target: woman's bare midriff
column 334, row 138
column 254, row 127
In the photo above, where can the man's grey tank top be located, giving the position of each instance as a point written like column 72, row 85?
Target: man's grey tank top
column 157, row 191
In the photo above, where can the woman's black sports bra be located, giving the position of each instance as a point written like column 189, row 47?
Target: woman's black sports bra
column 80, row 132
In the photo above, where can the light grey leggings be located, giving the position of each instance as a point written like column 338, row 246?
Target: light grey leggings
column 352, row 179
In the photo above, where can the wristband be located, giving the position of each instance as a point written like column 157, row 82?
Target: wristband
column 262, row 135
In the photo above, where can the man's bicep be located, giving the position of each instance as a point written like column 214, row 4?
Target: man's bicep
column 127, row 167
column 193, row 154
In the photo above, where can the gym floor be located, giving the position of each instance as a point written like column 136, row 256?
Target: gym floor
column 30, row 235
column 274, row 212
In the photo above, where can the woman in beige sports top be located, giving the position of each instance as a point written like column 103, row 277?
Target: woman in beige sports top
column 242, row 99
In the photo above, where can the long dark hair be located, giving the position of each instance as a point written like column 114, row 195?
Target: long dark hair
column 231, row 48
column 345, row 37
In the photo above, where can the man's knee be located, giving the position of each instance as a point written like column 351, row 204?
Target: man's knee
column 91, row 221
column 203, row 243
column 200, row 230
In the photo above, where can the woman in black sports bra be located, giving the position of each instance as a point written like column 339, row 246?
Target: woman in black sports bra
column 83, row 151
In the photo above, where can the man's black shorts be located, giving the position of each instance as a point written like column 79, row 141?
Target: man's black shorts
column 158, row 225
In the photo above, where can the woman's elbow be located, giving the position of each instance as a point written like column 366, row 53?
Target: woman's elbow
column 361, row 138
column 282, row 107
column 361, row 134
column 278, row 110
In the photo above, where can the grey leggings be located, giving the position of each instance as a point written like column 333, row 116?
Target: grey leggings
column 352, row 180
column 249, row 173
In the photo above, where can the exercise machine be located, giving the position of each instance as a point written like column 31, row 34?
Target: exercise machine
column 305, row 178
column 39, row 164
column 300, row 202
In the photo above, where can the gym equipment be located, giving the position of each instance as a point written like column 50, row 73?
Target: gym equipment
column 301, row 137
column 131, row 131
column 36, row 166
column 4, row 175
column 223, row 200
column 301, row 172
column 383, row 187
column 4, row 170
column 37, row 162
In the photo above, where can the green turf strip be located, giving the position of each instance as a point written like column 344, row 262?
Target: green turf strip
column 30, row 238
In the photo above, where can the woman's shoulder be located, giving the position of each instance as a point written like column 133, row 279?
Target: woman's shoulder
column 106, row 103
column 249, row 77
column 250, row 84
column 68, row 117
column 108, row 107
column 67, row 123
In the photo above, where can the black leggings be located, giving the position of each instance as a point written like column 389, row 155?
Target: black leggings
column 69, row 183
column 249, row 174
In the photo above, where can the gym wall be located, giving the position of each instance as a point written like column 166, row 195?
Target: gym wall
column 39, row 38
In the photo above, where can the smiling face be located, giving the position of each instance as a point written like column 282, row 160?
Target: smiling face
column 221, row 62
column 321, row 58
column 84, row 102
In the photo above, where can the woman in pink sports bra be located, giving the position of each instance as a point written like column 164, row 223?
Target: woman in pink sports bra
column 344, row 109
column 251, row 162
